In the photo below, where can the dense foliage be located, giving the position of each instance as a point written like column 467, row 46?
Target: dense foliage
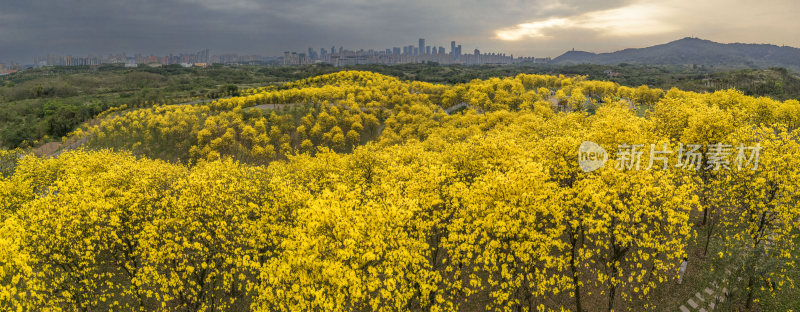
column 358, row 191
column 42, row 105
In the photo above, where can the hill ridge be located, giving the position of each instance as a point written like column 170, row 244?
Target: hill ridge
column 694, row 51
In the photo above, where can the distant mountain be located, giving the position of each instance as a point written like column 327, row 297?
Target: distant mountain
column 694, row 51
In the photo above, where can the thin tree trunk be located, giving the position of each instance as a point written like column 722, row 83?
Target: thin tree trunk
column 612, row 292
column 575, row 279
column 708, row 237
column 749, row 302
column 705, row 215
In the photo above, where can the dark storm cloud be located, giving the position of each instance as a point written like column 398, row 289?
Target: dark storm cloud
column 37, row 27
column 269, row 27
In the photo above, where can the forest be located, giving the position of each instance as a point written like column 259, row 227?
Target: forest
column 42, row 105
column 355, row 190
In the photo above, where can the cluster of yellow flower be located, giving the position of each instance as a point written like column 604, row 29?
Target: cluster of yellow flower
column 368, row 196
column 337, row 111
column 540, row 93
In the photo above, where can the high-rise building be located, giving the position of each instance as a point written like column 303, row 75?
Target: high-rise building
column 395, row 55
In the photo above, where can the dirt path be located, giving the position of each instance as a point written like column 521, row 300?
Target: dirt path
column 273, row 106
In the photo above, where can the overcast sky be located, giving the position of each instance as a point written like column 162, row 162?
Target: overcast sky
column 268, row 27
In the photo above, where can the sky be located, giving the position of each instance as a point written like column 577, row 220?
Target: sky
column 539, row 28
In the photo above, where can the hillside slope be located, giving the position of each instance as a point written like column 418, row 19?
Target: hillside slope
column 694, row 51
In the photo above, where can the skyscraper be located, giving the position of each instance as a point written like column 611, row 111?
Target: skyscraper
column 421, row 45
column 453, row 48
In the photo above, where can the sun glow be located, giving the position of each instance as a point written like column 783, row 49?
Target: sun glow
column 637, row 19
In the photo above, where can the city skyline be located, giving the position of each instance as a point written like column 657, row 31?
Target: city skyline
column 202, row 56
column 337, row 56
column 541, row 28
column 405, row 54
